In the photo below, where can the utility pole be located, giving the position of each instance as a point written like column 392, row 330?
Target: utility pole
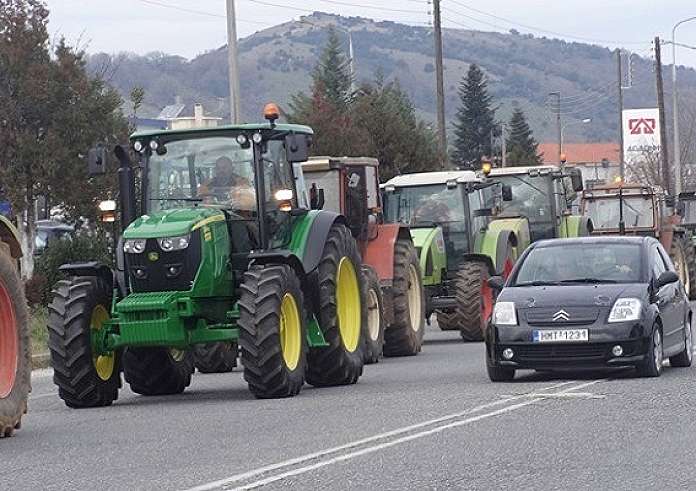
column 622, row 170
column 439, row 75
column 503, row 145
column 557, row 110
column 663, row 127
column 235, row 111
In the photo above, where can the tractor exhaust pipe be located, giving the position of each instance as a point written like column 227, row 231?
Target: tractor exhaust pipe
column 126, row 186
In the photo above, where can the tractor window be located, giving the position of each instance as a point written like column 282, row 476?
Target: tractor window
column 277, row 176
column 638, row 212
column 423, row 205
column 329, row 181
column 689, row 211
column 372, row 187
column 356, row 201
column 532, row 198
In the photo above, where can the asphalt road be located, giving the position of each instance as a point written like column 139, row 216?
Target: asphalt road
column 429, row 422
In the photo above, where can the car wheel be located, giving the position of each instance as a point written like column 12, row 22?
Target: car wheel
column 652, row 365
column 685, row 358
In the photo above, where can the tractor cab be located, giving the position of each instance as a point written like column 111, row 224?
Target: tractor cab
column 687, row 210
column 544, row 195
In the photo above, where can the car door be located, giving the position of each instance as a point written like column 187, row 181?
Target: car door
column 668, row 300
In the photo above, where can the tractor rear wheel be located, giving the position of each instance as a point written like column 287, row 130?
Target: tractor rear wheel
column 342, row 312
column 76, row 316
column 215, row 357
column 404, row 337
column 474, row 300
column 373, row 329
column 157, row 371
column 15, row 355
column 682, row 256
column 447, row 321
column 272, row 332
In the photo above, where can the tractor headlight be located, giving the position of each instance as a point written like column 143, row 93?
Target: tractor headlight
column 504, row 314
column 169, row 244
column 625, row 309
column 134, row 246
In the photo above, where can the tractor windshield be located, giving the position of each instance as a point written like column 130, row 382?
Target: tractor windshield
column 425, row 205
column 638, row 212
column 689, row 211
column 532, row 198
column 207, row 170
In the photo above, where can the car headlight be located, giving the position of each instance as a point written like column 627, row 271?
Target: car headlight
column 169, row 244
column 134, row 246
column 504, row 314
column 625, row 309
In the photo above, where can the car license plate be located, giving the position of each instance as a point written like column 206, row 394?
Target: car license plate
column 560, row 336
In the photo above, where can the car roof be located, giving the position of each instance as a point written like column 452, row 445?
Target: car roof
column 428, row 178
column 604, row 239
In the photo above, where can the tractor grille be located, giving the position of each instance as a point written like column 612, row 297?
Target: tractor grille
column 157, row 276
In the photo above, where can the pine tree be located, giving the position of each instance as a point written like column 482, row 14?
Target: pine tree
column 475, row 121
column 522, row 148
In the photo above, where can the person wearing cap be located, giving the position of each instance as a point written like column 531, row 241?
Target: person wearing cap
column 226, row 186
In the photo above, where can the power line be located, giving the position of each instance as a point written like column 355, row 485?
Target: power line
column 372, row 7
column 199, row 12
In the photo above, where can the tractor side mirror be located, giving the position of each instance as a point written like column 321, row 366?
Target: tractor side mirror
column 296, row 148
column 316, row 197
column 576, row 180
column 507, row 192
column 496, row 283
column 96, row 160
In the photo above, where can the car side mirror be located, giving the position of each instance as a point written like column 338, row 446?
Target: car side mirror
column 96, row 160
column 296, row 148
column 666, row 278
column 576, row 180
column 506, row 192
column 496, row 283
column 316, row 197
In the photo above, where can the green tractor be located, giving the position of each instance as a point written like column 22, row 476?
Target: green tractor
column 15, row 352
column 218, row 246
column 544, row 195
column 460, row 239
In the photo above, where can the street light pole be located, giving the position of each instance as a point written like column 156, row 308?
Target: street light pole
column 571, row 123
column 675, row 115
column 232, row 61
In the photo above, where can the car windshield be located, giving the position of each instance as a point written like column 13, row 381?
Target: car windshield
column 214, row 171
column 605, row 213
column 592, row 262
column 422, row 205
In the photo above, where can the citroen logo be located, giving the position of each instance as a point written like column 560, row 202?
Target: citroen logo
column 561, row 315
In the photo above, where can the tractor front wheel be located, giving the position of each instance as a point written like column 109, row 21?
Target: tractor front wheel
column 273, row 332
column 405, row 336
column 76, row 316
column 342, row 312
column 373, row 329
column 15, row 356
column 474, row 300
column 157, row 371
column 215, row 357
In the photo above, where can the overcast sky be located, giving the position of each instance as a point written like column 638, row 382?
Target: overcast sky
column 142, row 26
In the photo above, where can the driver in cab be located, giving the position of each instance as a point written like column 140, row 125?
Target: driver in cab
column 226, row 186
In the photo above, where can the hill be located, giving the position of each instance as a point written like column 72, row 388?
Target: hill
column 522, row 69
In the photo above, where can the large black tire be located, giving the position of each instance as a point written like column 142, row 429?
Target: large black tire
column 79, row 306
column 215, row 357
column 157, row 371
column 652, row 365
column 266, row 370
column 682, row 255
column 373, row 328
column 14, row 323
column 404, row 337
column 341, row 362
column 447, row 321
column 474, row 300
column 684, row 358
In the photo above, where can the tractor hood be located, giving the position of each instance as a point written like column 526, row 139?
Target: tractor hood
column 172, row 223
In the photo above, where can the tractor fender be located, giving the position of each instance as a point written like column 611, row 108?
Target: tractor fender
column 575, row 226
column 10, row 236
column 430, row 244
column 379, row 252
column 311, row 246
column 494, row 245
column 89, row 268
column 282, row 256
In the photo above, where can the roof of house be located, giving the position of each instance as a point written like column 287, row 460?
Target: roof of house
column 579, row 153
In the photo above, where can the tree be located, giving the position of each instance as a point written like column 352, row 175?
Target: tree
column 53, row 111
column 475, row 121
column 137, row 96
column 522, row 148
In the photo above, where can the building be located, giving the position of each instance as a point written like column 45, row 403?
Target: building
column 173, row 115
column 599, row 162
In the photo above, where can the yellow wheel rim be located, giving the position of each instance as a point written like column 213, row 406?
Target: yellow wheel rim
column 348, row 304
column 290, row 331
column 103, row 364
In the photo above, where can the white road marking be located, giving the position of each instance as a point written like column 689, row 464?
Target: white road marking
column 42, row 373
column 532, row 397
column 41, row 396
